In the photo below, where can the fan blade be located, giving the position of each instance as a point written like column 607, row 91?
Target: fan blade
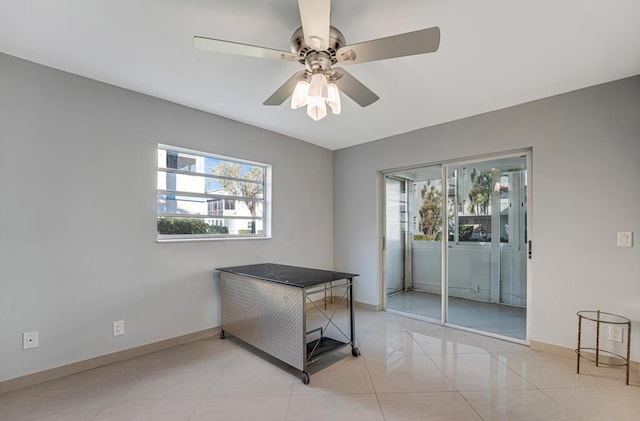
column 353, row 88
column 228, row 47
column 315, row 17
column 285, row 91
column 412, row 43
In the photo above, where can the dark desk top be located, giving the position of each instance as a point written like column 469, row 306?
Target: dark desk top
column 289, row 275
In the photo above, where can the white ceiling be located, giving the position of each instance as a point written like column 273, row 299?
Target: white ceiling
column 493, row 54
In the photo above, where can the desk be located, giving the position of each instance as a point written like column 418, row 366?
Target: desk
column 265, row 306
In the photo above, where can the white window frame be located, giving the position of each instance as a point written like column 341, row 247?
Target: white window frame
column 265, row 200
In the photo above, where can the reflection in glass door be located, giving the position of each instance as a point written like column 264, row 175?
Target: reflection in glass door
column 486, row 211
column 395, row 235
column 422, row 295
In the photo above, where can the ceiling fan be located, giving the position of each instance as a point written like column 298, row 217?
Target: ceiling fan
column 319, row 46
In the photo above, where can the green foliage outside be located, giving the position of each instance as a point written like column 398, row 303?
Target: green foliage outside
column 423, row 237
column 238, row 188
column 188, row 226
column 430, row 214
column 480, row 193
column 248, row 231
column 218, row 229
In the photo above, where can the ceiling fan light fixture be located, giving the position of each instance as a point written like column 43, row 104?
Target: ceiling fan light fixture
column 334, row 98
column 299, row 96
column 316, row 94
column 318, row 46
column 316, row 108
column 318, row 86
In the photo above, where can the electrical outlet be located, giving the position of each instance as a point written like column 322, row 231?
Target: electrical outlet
column 118, row 328
column 625, row 239
column 616, row 333
column 30, row 340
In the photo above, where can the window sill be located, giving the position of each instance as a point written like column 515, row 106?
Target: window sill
column 185, row 240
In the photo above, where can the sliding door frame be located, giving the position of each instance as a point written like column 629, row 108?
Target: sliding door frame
column 527, row 153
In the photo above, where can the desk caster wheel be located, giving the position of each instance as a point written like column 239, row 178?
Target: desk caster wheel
column 355, row 352
column 305, row 377
column 222, row 334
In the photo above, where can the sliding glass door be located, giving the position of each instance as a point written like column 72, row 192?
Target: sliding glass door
column 463, row 244
column 486, row 246
column 422, row 293
column 395, row 235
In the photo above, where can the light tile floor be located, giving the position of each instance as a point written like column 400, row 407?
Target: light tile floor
column 494, row 318
column 408, row 370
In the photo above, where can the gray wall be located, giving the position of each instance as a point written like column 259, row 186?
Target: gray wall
column 585, row 181
column 77, row 210
column 78, row 243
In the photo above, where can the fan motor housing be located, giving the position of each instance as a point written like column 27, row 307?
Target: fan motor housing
column 302, row 50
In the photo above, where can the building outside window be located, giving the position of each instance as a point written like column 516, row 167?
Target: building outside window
column 202, row 195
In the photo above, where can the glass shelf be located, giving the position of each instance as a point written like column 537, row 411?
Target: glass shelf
column 603, row 356
column 603, row 317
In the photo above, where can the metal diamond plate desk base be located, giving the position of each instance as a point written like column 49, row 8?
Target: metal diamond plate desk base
column 271, row 316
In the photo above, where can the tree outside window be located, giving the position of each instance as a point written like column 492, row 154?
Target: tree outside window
column 431, row 212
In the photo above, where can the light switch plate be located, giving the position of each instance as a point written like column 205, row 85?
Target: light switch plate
column 118, row 328
column 625, row 239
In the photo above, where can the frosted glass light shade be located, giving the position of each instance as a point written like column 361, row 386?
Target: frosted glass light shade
column 334, row 98
column 316, row 108
column 316, row 93
column 299, row 97
column 318, row 86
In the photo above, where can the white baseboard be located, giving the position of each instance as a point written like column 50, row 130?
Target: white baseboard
column 571, row 353
column 77, row 367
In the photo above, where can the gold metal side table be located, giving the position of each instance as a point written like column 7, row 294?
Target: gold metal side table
column 613, row 359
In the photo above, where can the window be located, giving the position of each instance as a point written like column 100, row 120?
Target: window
column 486, row 199
column 202, row 196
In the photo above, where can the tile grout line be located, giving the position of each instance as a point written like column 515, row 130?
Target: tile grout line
column 193, row 412
column 375, row 391
column 206, row 394
column 449, row 380
column 289, row 402
column 535, row 387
